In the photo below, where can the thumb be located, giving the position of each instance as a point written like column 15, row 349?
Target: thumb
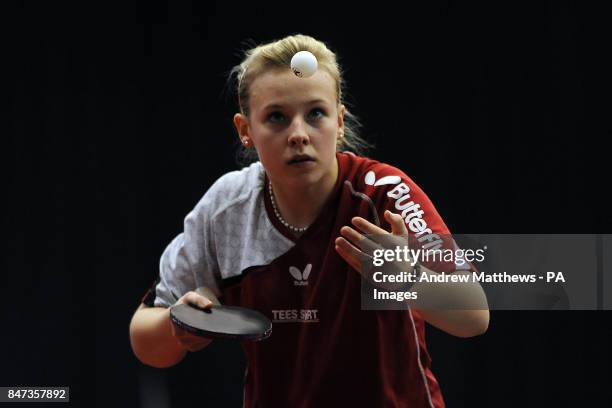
column 397, row 223
column 195, row 299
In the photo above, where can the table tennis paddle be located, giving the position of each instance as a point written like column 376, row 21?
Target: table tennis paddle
column 222, row 322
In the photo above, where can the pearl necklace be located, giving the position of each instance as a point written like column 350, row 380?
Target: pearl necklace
column 279, row 216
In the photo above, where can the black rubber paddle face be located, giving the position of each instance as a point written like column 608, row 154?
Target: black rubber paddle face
column 227, row 322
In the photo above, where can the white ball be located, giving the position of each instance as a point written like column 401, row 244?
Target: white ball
column 304, row 64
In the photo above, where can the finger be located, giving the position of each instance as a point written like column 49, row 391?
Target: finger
column 200, row 301
column 398, row 227
column 360, row 241
column 208, row 294
column 377, row 238
column 352, row 255
column 189, row 341
column 194, row 299
column 193, row 343
column 359, row 260
column 198, row 346
column 367, row 227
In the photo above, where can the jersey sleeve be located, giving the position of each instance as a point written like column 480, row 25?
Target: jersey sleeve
column 393, row 190
column 189, row 261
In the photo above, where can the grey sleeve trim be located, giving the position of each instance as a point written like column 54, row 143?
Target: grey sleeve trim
column 366, row 199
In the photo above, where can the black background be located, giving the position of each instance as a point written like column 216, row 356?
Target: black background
column 118, row 122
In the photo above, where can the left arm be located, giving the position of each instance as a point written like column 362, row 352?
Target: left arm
column 458, row 309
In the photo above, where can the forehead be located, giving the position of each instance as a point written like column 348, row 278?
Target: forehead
column 282, row 87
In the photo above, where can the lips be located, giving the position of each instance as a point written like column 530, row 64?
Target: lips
column 300, row 158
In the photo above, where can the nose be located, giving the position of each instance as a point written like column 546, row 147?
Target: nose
column 298, row 135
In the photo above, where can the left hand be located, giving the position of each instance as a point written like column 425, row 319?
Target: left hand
column 356, row 249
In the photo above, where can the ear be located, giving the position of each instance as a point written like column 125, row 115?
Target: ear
column 241, row 122
column 341, row 111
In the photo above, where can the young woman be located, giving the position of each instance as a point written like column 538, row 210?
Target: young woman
column 282, row 236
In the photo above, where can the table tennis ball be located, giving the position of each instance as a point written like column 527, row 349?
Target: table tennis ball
column 304, row 64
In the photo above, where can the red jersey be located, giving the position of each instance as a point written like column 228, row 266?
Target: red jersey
column 324, row 349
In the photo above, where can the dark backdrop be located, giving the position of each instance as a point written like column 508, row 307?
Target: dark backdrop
column 117, row 123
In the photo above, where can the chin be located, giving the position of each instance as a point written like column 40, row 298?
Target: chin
column 305, row 179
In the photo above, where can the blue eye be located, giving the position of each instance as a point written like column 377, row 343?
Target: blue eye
column 276, row 117
column 316, row 113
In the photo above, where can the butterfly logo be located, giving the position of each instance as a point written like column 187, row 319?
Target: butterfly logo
column 301, row 278
column 370, row 180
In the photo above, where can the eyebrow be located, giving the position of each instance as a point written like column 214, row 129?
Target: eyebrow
column 277, row 105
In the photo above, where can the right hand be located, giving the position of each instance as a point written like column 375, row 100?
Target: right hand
column 187, row 340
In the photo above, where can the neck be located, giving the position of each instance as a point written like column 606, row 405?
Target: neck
column 301, row 206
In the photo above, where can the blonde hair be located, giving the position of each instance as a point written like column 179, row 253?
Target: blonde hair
column 278, row 54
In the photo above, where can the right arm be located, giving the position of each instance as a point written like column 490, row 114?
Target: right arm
column 156, row 341
column 188, row 262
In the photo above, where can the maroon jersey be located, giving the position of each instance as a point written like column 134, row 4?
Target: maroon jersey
column 324, row 349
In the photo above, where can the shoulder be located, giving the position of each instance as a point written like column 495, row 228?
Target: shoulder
column 364, row 172
column 231, row 189
column 389, row 188
column 385, row 185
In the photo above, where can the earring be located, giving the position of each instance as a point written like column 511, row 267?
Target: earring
column 245, row 142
